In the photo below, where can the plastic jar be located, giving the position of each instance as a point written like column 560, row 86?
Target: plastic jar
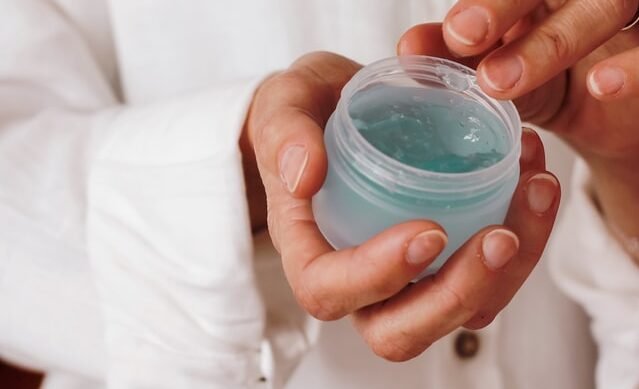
column 367, row 191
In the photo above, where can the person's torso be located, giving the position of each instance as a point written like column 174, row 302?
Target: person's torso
column 154, row 49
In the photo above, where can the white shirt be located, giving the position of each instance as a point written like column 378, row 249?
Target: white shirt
column 126, row 257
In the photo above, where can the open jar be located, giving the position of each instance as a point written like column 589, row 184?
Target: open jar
column 415, row 138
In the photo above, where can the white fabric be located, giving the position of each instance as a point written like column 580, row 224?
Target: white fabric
column 594, row 270
column 125, row 250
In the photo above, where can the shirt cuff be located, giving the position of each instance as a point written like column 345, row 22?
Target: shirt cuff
column 169, row 240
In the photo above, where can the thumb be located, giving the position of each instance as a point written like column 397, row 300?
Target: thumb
column 428, row 39
column 287, row 118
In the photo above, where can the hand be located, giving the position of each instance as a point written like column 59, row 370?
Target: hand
column 592, row 104
column 371, row 282
column 529, row 42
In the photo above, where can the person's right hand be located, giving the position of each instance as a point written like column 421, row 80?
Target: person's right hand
column 591, row 105
column 372, row 282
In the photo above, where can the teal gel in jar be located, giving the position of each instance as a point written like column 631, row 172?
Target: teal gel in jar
column 415, row 138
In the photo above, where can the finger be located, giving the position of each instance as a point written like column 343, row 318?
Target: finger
column 428, row 39
column 475, row 283
column 542, row 104
column 521, row 28
column 287, row 120
column 334, row 284
column 533, row 155
column 473, row 26
column 616, row 78
column 538, row 106
column 566, row 36
column 408, row 323
column 292, row 130
column 330, row 284
column 531, row 217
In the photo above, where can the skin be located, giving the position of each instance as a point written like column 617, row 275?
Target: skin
column 371, row 282
column 568, row 59
column 255, row 195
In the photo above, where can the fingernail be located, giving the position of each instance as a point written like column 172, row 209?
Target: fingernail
column 426, row 247
column 470, row 26
column 607, row 81
column 499, row 247
column 292, row 166
column 542, row 191
column 529, row 145
column 502, row 74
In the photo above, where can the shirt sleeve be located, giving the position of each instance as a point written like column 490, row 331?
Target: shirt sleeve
column 154, row 194
column 591, row 267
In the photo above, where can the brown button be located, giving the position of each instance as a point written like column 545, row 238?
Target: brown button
column 466, row 344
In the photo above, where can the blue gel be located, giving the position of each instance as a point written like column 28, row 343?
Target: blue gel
column 404, row 125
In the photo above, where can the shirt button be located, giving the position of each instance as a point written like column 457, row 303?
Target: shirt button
column 466, row 344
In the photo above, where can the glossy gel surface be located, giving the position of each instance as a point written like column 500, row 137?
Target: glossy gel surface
column 429, row 130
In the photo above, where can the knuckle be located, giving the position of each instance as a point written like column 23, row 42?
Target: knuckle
column 282, row 80
column 392, row 350
column 270, row 86
column 378, row 285
column 295, row 213
column 455, row 301
column 309, row 59
column 293, row 80
column 306, row 298
column 391, row 344
column 556, row 42
column 317, row 306
column 299, row 88
column 322, row 64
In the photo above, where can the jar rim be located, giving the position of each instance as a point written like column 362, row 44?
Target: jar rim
column 424, row 70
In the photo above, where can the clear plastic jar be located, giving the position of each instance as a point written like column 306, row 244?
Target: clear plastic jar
column 367, row 191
